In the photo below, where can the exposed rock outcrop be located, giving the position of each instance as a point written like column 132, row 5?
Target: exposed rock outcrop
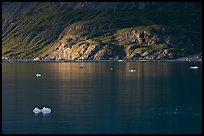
column 150, row 43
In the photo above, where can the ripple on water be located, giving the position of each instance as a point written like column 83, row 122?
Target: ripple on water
column 174, row 112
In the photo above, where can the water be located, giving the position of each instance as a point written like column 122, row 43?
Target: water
column 159, row 97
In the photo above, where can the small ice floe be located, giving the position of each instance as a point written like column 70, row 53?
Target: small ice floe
column 46, row 110
column 132, row 70
column 36, row 110
column 194, row 67
column 120, row 60
column 38, row 75
column 111, row 68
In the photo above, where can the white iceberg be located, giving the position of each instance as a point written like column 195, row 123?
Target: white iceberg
column 38, row 75
column 132, row 70
column 194, row 67
column 36, row 110
column 46, row 110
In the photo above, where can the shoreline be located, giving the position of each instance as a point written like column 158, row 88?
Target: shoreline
column 190, row 58
column 175, row 60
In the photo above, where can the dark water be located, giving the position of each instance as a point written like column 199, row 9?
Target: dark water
column 160, row 97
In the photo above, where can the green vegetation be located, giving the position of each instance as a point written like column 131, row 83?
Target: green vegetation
column 35, row 30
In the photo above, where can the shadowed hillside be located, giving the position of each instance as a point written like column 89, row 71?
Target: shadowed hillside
column 101, row 30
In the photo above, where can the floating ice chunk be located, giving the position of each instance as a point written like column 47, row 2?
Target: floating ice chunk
column 38, row 75
column 132, row 70
column 194, row 67
column 46, row 110
column 36, row 110
column 111, row 68
column 120, row 60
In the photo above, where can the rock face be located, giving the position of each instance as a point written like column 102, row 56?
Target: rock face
column 86, row 51
column 155, row 35
column 151, row 43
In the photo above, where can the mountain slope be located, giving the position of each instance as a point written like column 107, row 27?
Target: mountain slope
column 94, row 30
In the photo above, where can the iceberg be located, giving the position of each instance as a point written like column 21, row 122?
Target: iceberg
column 46, row 110
column 36, row 110
column 38, row 75
column 132, row 70
column 194, row 67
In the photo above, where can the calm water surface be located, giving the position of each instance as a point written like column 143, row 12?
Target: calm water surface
column 160, row 97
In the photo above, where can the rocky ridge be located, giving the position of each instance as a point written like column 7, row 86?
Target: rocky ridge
column 152, row 43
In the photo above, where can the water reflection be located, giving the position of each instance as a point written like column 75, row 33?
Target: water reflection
column 96, row 99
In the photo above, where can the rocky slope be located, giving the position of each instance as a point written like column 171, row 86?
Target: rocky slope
column 94, row 30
